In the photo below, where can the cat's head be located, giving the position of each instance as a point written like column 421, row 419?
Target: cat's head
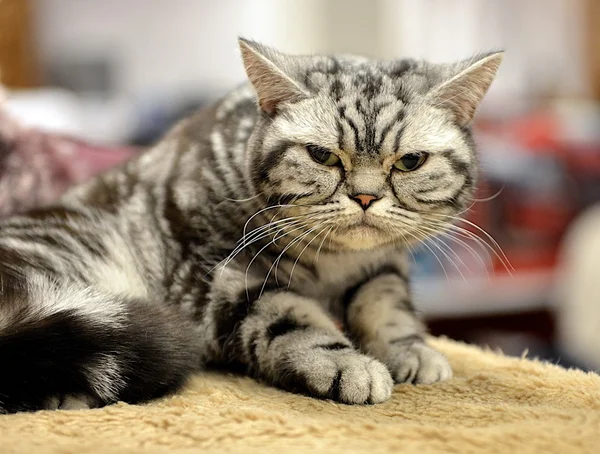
column 368, row 152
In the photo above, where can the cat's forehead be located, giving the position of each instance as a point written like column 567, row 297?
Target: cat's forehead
column 362, row 106
column 350, row 77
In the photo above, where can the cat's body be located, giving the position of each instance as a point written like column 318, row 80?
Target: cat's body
column 227, row 243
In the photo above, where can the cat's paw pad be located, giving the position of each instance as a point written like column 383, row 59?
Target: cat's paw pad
column 71, row 402
column 420, row 364
column 347, row 376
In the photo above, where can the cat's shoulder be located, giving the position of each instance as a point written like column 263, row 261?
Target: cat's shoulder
column 238, row 106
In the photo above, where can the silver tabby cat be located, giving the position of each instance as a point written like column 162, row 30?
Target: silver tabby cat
column 267, row 234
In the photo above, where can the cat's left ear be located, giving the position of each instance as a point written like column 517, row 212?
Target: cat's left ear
column 271, row 74
column 463, row 93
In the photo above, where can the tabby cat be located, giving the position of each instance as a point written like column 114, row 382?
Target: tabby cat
column 266, row 234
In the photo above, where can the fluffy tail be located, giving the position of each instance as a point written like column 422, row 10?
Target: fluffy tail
column 60, row 341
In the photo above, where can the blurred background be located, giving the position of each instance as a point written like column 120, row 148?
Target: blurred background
column 522, row 273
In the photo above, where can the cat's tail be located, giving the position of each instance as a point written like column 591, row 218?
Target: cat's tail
column 62, row 342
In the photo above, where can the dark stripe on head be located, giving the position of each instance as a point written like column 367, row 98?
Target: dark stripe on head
column 402, row 93
column 401, row 67
column 262, row 167
column 436, row 177
column 370, row 121
column 340, row 130
column 336, row 90
column 372, row 85
column 352, row 125
column 460, row 167
column 454, row 200
column 397, row 138
column 386, row 129
column 285, row 199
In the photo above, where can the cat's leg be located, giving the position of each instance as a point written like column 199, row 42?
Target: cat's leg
column 379, row 314
column 289, row 341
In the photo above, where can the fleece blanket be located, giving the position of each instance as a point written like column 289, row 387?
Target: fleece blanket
column 494, row 404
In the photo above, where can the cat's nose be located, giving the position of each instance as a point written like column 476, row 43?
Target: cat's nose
column 364, row 200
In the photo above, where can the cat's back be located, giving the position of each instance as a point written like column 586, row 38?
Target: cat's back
column 206, row 147
column 227, row 122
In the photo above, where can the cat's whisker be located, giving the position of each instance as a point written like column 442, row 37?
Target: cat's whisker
column 451, row 235
column 490, row 198
column 275, row 262
column 248, row 235
column 421, row 241
column 437, row 240
column 257, row 231
column 255, row 236
column 302, row 226
column 296, row 240
column 302, row 252
column 434, row 242
column 410, row 249
column 258, row 213
column 496, row 249
column 485, row 247
column 248, row 199
column 452, row 231
column 321, row 245
column 453, row 253
column 273, row 229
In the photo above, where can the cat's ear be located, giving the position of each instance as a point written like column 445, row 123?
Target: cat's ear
column 463, row 92
column 269, row 72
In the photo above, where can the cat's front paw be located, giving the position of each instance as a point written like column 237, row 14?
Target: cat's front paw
column 346, row 376
column 418, row 363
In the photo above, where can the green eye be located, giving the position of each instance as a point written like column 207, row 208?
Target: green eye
column 411, row 161
column 322, row 155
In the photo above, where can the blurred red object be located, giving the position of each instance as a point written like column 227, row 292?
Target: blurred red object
column 37, row 167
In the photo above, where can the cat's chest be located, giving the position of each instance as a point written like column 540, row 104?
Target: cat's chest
column 337, row 272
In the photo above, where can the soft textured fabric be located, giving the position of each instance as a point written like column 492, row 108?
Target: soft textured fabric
column 495, row 404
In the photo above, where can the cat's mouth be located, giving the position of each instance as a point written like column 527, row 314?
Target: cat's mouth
column 365, row 225
column 363, row 233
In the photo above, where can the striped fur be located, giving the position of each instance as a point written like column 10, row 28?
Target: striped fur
column 227, row 244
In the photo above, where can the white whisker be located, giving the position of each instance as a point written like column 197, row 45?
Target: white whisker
column 302, row 251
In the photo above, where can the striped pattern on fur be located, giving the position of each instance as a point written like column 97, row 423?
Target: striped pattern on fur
column 228, row 243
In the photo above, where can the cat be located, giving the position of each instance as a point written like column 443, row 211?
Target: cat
column 267, row 234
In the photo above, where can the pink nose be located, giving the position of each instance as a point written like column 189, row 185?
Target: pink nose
column 365, row 200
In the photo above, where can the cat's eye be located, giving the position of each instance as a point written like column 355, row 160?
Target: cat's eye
column 322, row 155
column 411, row 161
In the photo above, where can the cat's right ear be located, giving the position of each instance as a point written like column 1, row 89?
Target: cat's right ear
column 269, row 73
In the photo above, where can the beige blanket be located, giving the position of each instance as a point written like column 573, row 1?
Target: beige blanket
column 494, row 404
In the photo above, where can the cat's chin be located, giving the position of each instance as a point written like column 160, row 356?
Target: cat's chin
column 360, row 237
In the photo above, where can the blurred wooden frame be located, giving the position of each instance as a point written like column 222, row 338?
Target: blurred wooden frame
column 592, row 45
column 18, row 63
